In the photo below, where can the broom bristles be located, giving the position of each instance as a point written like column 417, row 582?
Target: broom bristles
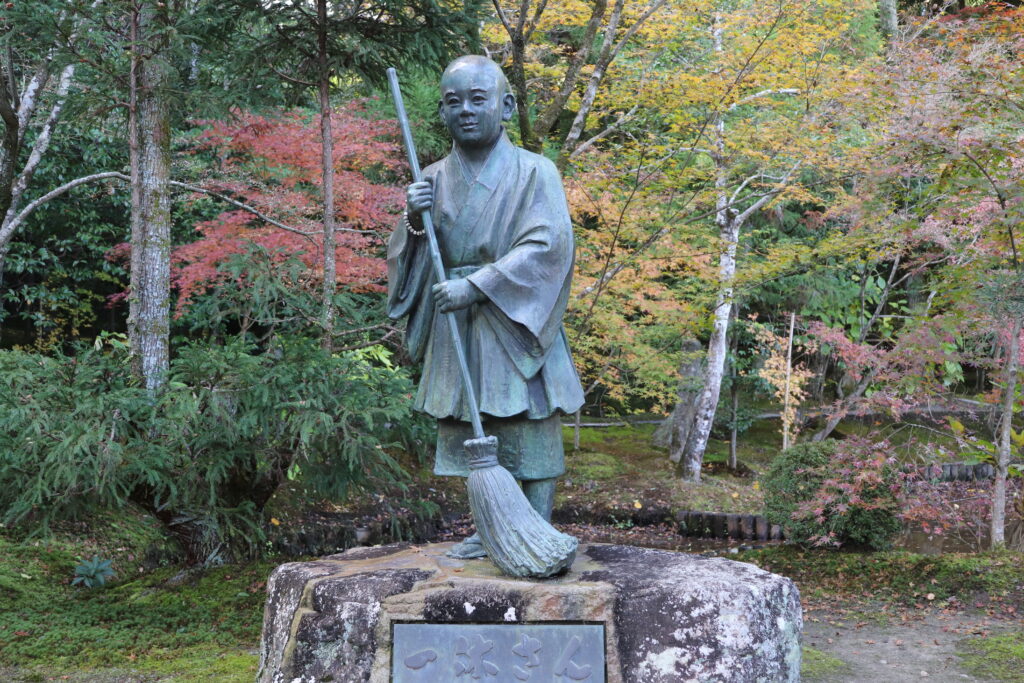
column 517, row 539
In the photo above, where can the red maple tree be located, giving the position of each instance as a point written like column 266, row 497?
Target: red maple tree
column 272, row 164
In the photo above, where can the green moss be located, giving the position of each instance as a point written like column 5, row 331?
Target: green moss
column 997, row 658
column 628, row 442
column 900, row 576
column 817, row 664
column 49, row 623
column 588, row 465
column 199, row 664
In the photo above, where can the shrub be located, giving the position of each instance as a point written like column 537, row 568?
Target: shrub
column 830, row 493
column 205, row 455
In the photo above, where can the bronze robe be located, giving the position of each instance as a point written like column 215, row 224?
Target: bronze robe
column 508, row 231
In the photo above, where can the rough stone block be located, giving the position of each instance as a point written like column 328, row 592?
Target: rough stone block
column 667, row 617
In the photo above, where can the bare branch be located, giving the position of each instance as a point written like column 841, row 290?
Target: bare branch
column 604, row 133
column 609, row 50
column 501, row 16
column 297, row 81
column 636, row 27
column 550, row 114
column 42, row 141
column 30, row 97
column 764, row 93
column 740, row 219
column 9, row 228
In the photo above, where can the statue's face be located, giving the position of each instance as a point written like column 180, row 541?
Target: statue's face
column 473, row 106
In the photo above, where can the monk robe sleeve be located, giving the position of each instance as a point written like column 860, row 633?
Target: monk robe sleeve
column 409, row 274
column 528, row 287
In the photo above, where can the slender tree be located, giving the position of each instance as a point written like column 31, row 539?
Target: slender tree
column 314, row 47
column 149, row 145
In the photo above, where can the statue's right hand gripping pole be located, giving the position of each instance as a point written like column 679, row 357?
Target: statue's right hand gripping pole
column 435, row 255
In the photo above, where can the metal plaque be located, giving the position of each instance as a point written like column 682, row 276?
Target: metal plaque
column 498, row 653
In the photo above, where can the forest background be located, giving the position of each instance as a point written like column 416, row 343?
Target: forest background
column 800, row 212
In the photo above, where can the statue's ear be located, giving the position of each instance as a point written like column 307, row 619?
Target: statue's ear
column 508, row 106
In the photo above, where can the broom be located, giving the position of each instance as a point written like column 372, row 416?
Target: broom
column 517, row 539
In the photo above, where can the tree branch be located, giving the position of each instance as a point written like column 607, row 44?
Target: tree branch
column 587, row 144
column 9, row 228
column 550, row 114
column 740, row 219
column 42, row 141
column 764, row 93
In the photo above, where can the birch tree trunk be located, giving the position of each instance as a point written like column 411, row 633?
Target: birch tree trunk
column 692, row 454
column 787, row 418
column 150, row 149
column 327, row 165
column 676, row 427
column 888, row 18
column 1004, row 442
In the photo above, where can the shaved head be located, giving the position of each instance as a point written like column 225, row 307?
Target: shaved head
column 475, row 100
column 476, row 62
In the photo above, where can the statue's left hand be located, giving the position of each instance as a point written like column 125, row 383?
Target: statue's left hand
column 454, row 295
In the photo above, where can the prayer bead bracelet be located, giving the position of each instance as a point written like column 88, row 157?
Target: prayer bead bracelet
column 412, row 230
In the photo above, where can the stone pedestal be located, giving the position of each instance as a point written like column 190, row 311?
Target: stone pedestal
column 666, row 617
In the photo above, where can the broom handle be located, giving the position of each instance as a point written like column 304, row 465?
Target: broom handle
column 435, row 255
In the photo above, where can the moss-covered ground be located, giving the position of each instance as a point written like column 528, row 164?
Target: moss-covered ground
column 147, row 624
column 617, row 473
column 998, row 658
column 817, row 664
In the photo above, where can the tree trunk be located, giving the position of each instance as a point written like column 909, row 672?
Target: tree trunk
column 692, row 455
column 149, row 303
column 733, row 437
column 888, row 18
column 1004, row 441
column 677, row 425
column 787, row 418
column 327, row 138
column 692, row 450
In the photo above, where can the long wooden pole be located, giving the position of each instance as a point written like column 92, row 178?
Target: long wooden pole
column 435, row 256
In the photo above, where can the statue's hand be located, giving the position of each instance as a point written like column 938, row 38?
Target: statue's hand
column 454, row 295
column 419, row 197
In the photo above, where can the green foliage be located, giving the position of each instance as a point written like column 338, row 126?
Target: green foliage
column 151, row 622
column 77, row 433
column 93, row 573
column 804, row 476
column 995, row 657
column 903, row 577
column 420, row 95
column 55, row 276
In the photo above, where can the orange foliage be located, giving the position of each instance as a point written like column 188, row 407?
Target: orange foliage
column 273, row 164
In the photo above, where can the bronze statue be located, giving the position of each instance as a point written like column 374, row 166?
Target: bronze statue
column 506, row 240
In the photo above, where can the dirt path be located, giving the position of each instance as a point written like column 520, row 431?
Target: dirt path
column 892, row 647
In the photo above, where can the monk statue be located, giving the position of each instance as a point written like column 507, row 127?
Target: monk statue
column 506, row 240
